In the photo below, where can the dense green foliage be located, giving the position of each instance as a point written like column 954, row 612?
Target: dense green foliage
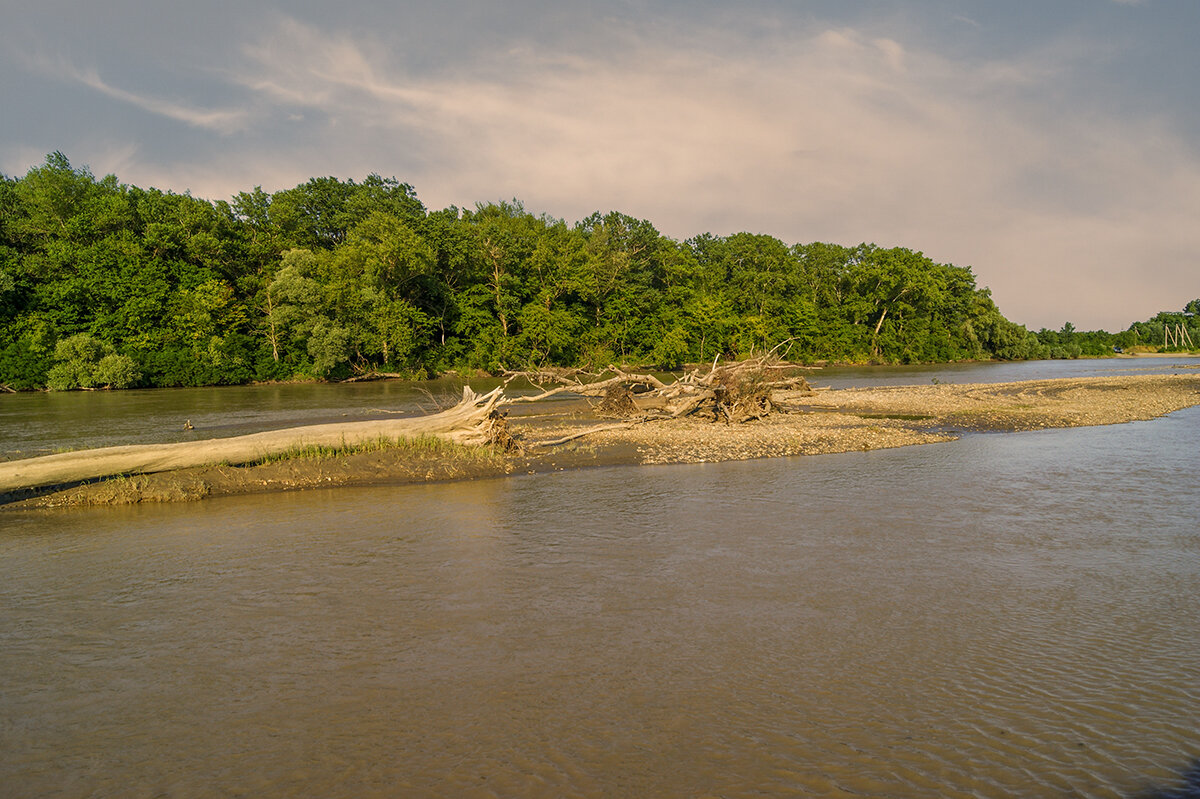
column 1167, row 331
column 104, row 284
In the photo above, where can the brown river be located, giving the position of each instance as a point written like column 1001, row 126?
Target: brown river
column 1009, row 615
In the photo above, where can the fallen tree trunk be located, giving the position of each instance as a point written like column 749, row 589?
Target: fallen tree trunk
column 469, row 422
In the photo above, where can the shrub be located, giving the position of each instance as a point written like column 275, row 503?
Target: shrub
column 84, row 361
column 116, row 371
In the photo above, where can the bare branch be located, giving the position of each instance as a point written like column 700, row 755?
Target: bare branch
column 581, row 433
column 735, row 392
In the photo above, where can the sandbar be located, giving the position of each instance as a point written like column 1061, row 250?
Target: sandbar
column 847, row 420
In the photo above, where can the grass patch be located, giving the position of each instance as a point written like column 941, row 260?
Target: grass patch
column 420, row 447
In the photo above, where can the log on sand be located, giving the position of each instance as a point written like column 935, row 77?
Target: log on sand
column 465, row 423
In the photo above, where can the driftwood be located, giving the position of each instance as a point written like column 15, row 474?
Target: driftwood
column 469, row 422
column 570, row 383
column 581, row 433
column 731, row 393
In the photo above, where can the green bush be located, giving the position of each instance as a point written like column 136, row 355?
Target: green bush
column 83, row 361
column 116, row 371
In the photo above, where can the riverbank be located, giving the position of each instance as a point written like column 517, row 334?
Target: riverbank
column 826, row 422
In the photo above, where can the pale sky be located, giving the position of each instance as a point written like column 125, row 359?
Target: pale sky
column 1051, row 145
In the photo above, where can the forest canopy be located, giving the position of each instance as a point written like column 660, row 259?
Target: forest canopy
column 106, row 284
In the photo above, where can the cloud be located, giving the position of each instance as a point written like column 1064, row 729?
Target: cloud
column 223, row 121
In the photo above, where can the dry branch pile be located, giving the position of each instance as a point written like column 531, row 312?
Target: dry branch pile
column 731, row 393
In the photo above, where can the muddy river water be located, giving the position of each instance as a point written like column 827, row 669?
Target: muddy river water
column 1005, row 615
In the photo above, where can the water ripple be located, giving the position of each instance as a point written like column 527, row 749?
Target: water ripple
column 983, row 619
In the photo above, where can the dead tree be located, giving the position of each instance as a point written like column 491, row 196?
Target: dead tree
column 733, row 393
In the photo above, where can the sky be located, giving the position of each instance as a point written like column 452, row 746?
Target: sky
column 1053, row 146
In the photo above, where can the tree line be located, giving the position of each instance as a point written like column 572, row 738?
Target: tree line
column 106, row 284
column 1166, row 331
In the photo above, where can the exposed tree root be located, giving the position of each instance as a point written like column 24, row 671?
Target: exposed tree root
column 618, row 402
column 499, row 436
column 732, row 393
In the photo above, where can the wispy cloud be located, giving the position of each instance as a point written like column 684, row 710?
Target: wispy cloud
column 219, row 120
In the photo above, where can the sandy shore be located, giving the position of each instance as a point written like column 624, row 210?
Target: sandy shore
column 878, row 418
column 828, row 421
